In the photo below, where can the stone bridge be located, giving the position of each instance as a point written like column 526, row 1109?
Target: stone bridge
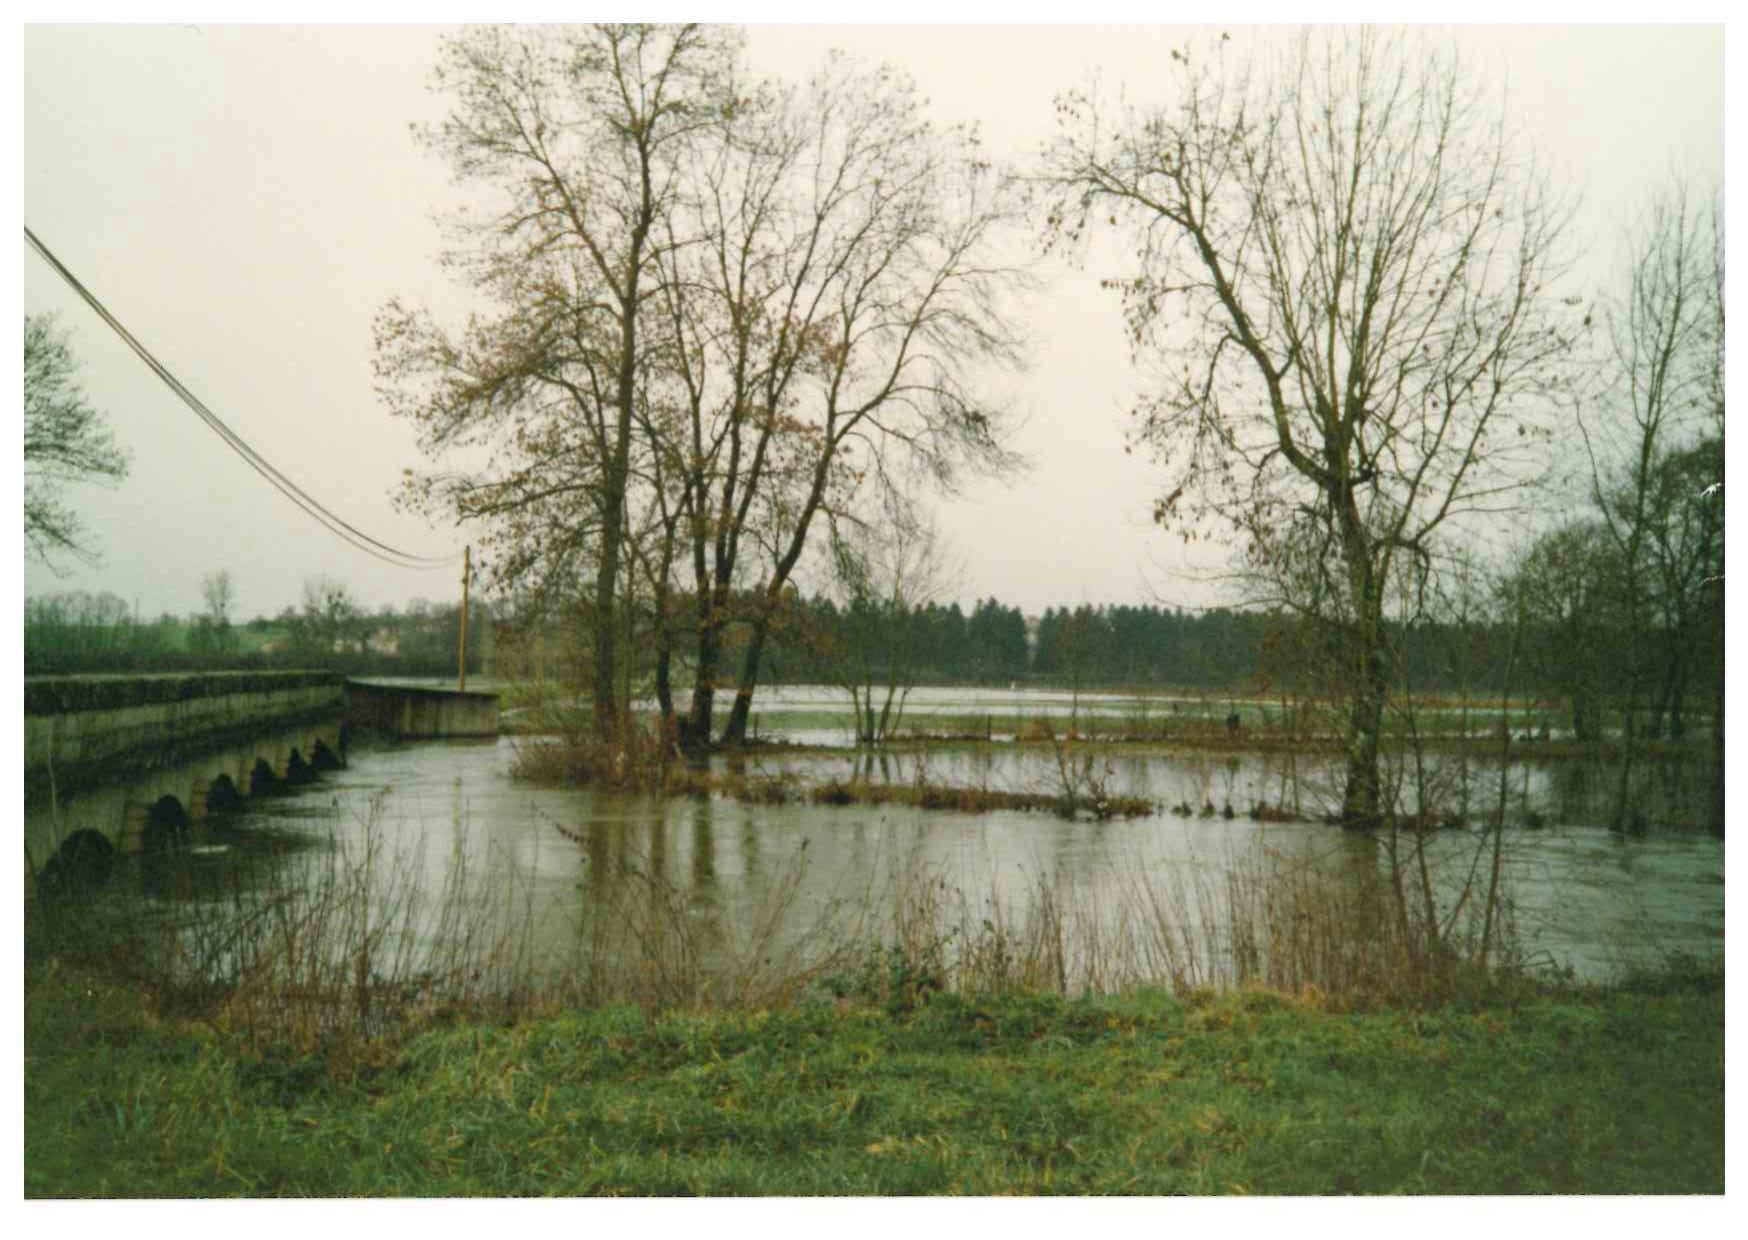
column 129, row 762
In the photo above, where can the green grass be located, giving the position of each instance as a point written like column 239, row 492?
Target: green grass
column 1593, row 1092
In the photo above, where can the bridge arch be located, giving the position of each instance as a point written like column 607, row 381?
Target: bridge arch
column 262, row 779
column 223, row 796
column 166, row 825
column 84, row 860
column 298, row 771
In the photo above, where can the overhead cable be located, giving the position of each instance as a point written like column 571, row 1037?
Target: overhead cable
column 296, row 494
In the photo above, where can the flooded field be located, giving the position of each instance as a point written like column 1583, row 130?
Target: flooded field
column 1581, row 898
column 819, row 714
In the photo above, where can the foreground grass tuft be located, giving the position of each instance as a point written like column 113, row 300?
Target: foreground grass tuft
column 1248, row 1092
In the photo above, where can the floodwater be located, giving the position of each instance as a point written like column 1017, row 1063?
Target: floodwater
column 818, row 714
column 1584, row 898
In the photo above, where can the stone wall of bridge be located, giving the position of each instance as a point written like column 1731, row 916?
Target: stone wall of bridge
column 123, row 763
column 127, row 812
column 420, row 712
column 87, row 729
column 122, row 756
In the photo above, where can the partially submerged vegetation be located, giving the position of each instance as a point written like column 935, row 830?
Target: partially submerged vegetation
column 1431, row 766
column 638, row 761
column 924, row 795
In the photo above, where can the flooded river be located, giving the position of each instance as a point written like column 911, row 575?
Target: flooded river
column 1583, row 898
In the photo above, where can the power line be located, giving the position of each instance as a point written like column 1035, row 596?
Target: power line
column 309, row 504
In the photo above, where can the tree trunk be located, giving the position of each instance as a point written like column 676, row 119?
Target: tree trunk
column 664, row 686
column 1360, row 798
column 619, row 468
column 1584, row 725
column 1654, row 713
column 1677, row 696
column 1666, row 690
column 1718, row 753
column 695, row 733
column 606, row 584
column 735, row 733
column 663, row 634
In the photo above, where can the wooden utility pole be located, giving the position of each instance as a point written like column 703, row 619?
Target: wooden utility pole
column 466, row 573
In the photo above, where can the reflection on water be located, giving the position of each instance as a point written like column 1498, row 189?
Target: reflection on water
column 1584, row 897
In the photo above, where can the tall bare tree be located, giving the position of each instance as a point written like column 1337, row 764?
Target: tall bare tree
column 1666, row 343
column 65, row 441
column 1344, row 284
column 578, row 135
column 828, row 324
column 895, row 298
column 754, row 303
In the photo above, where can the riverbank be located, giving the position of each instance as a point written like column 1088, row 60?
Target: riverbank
column 1550, row 1091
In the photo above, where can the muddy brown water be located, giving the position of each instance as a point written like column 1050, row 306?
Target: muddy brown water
column 1585, row 898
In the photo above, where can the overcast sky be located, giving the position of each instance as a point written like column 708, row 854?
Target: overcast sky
column 246, row 198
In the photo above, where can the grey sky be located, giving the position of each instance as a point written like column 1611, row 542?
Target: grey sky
column 246, row 198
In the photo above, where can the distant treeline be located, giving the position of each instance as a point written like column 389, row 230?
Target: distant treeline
column 1131, row 646
column 80, row 632
column 1108, row 647
column 1112, row 646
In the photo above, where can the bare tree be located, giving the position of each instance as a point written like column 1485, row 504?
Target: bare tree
column 580, row 132
column 330, row 620
column 882, row 572
column 64, row 441
column 1568, row 587
column 212, row 633
column 840, row 291
column 794, row 374
column 889, row 300
column 814, row 285
column 1344, row 283
column 1666, row 339
column 1686, row 554
column 216, row 591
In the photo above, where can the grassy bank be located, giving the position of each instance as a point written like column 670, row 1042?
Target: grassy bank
column 1249, row 1092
